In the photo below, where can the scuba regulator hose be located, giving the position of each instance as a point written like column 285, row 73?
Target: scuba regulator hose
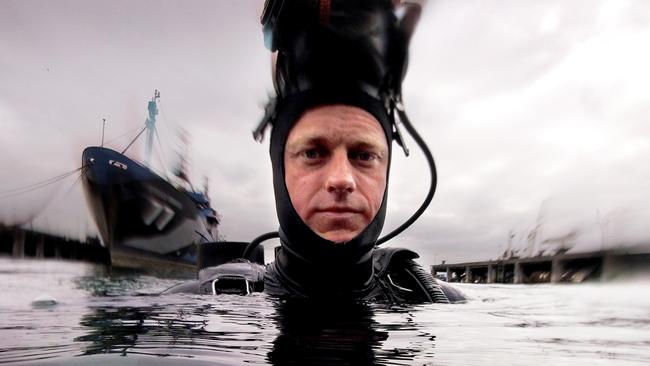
column 432, row 170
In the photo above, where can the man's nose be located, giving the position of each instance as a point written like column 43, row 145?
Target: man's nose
column 340, row 174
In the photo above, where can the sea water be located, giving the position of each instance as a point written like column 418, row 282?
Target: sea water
column 68, row 313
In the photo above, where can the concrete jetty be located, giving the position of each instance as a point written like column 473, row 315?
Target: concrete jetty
column 20, row 243
column 566, row 267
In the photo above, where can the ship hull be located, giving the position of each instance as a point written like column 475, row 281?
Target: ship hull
column 142, row 219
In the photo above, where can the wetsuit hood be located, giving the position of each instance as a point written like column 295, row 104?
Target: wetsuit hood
column 307, row 260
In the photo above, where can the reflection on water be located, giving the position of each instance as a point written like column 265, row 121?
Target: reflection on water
column 180, row 326
column 247, row 329
column 86, row 316
column 312, row 333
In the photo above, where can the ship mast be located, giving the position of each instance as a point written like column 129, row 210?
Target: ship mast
column 151, row 126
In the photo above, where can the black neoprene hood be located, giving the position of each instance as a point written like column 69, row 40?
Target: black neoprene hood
column 303, row 251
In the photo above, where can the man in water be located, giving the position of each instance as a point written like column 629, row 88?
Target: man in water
column 337, row 76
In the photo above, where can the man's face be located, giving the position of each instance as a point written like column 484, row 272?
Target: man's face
column 335, row 160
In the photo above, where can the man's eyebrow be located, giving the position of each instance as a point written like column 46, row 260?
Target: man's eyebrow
column 308, row 140
column 362, row 142
column 368, row 144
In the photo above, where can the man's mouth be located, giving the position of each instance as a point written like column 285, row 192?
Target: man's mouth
column 338, row 209
column 338, row 213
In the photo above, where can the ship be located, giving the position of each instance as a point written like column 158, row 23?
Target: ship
column 144, row 220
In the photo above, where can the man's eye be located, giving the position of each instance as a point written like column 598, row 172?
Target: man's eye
column 312, row 154
column 363, row 155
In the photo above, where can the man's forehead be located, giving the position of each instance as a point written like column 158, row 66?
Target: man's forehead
column 338, row 112
column 338, row 121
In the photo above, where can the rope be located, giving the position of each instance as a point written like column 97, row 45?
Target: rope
column 161, row 154
column 136, row 137
column 49, row 202
column 122, row 135
column 38, row 185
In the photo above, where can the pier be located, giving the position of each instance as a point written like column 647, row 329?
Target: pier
column 23, row 243
column 567, row 267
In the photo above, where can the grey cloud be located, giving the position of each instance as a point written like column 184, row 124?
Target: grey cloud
column 521, row 102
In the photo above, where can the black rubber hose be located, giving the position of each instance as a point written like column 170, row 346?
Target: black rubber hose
column 426, row 282
column 432, row 169
column 253, row 244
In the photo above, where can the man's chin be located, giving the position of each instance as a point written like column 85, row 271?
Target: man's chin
column 338, row 229
column 338, row 237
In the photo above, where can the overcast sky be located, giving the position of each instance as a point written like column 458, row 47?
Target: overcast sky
column 536, row 112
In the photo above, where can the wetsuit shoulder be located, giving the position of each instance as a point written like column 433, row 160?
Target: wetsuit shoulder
column 273, row 284
column 454, row 295
column 404, row 280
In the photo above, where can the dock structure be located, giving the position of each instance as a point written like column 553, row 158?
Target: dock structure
column 566, row 267
column 21, row 243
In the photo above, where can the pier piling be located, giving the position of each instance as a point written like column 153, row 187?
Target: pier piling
column 468, row 275
column 18, row 250
column 491, row 274
column 557, row 269
column 40, row 247
column 519, row 273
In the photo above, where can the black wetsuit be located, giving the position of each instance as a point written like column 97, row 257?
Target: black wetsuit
column 394, row 277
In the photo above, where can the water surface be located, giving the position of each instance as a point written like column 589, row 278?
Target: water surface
column 57, row 312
